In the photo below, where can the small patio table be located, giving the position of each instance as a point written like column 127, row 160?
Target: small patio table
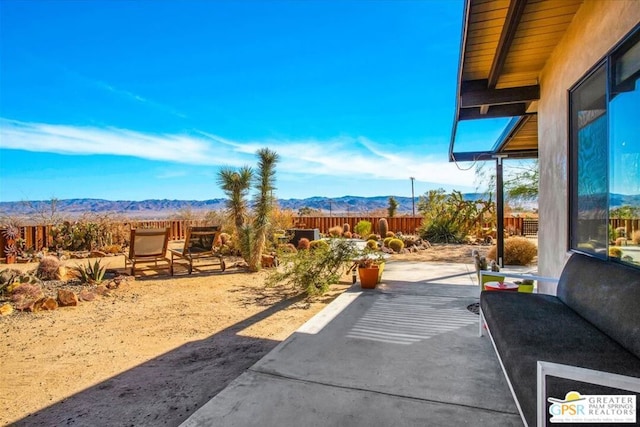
column 501, row 286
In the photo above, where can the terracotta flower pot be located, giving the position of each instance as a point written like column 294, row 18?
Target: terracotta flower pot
column 368, row 277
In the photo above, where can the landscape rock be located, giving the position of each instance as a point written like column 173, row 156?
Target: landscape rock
column 7, row 275
column 67, row 298
column 47, row 303
column 6, row 309
column 26, row 295
column 87, row 295
column 97, row 254
column 102, row 290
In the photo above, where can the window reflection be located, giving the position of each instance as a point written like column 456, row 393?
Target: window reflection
column 624, row 150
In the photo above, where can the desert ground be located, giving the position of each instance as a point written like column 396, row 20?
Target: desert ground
column 155, row 349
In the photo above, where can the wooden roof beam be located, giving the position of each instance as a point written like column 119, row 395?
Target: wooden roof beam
column 477, row 98
column 514, row 14
column 506, row 110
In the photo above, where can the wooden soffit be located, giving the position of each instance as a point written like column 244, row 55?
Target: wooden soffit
column 505, row 45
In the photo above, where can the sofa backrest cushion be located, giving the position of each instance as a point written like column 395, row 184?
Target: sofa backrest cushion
column 606, row 294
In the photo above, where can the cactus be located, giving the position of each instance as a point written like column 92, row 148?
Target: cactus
column 396, row 244
column 303, row 243
column 372, row 244
column 346, row 228
column 48, row 269
column 386, row 241
column 335, row 231
column 383, row 227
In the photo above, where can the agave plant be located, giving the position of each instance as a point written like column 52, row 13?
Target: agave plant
column 91, row 273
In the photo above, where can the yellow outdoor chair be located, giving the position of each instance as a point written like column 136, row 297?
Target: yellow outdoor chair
column 148, row 246
column 199, row 244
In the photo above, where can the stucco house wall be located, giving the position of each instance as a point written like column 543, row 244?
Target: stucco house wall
column 596, row 28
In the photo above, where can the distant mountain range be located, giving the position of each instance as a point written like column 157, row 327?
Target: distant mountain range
column 158, row 209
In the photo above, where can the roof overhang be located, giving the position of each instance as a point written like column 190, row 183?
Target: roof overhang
column 505, row 45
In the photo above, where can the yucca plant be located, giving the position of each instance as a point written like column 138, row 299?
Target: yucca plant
column 91, row 273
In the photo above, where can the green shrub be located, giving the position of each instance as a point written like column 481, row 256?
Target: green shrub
column 316, row 244
column 396, row 245
column 314, row 271
column 362, row 228
column 517, row 251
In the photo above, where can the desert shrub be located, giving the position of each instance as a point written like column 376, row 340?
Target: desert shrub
column 346, row 228
column 48, row 268
column 303, row 243
column 335, row 231
column 315, row 244
column 621, row 232
column 396, row 245
column 372, row 244
column 89, row 232
column 386, row 241
column 447, row 218
column 286, row 248
column 635, row 237
column 615, row 252
column 621, row 241
column 314, row 271
column 347, row 234
column 517, row 251
column 363, row 228
column 112, row 249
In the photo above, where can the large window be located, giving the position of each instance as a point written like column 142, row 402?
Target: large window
column 605, row 157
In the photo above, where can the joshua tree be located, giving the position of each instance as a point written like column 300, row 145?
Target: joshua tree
column 263, row 203
column 393, row 207
column 236, row 185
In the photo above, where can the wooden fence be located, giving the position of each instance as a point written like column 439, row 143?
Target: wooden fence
column 39, row 236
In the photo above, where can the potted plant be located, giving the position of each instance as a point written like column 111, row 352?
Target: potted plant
column 370, row 265
column 11, row 233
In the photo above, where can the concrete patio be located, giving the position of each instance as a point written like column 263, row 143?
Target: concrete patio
column 405, row 354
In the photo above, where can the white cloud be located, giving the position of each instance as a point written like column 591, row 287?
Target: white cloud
column 341, row 156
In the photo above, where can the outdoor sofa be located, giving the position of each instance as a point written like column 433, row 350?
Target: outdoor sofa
column 589, row 332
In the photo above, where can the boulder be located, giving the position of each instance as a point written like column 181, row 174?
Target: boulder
column 67, row 298
column 6, row 309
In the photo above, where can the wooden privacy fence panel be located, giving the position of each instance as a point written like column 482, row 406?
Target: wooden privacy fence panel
column 630, row 225
column 403, row 224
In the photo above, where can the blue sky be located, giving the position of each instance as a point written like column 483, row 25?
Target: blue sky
column 128, row 100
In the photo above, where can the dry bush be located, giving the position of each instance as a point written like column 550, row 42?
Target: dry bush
column 517, row 251
column 303, row 243
column 336, row 231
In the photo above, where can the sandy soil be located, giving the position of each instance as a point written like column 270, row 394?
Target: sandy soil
column 156, row 349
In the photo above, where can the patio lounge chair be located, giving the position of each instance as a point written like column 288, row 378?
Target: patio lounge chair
column 199, row 243
column 148, row 246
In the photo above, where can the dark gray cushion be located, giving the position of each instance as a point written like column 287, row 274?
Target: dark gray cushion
column 606, row 294
column 531, row 327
